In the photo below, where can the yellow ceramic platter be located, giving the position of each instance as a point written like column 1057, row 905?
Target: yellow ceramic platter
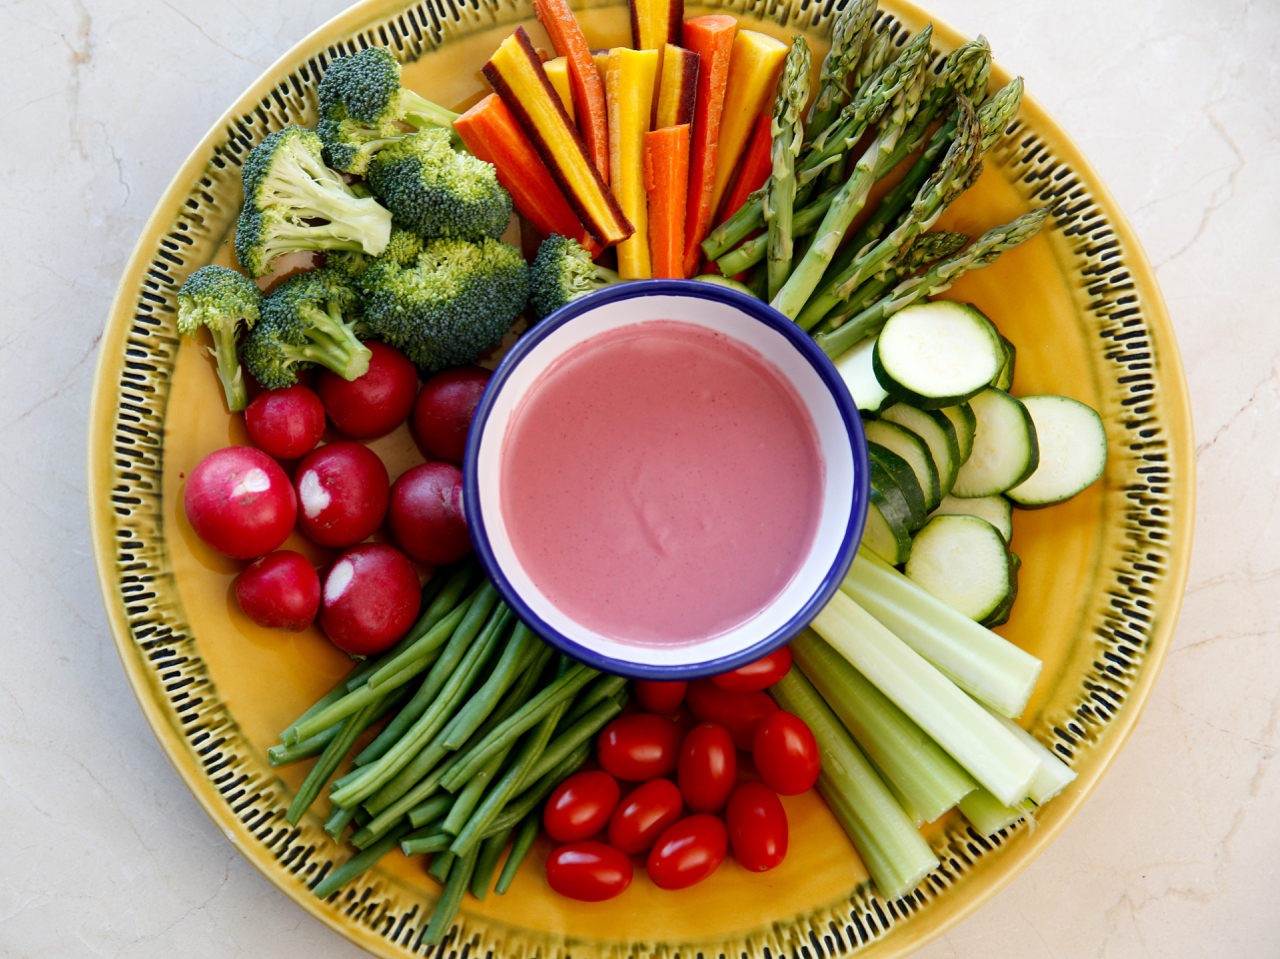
column 1101, row 580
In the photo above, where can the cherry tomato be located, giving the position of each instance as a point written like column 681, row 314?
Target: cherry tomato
column 736, row 712
column 786, row 754
column 708, row 767
column 757, row 826
column 760, row 674
column 688, row 852
column 644, row 815
column 639, row 747
column 589, row 871
column 580, row 806
column 663, row 698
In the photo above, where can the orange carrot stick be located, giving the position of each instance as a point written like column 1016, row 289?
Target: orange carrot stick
column 584, row 79
column 666, row 177
column 492, row 134
column 757, row 164
column 711, row 38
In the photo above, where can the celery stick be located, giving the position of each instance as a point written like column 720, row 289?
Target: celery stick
column 990, row 753
column 988, row 667
column 1053, row 776
column 929, row 780
column 988, row 814
column 892, row 849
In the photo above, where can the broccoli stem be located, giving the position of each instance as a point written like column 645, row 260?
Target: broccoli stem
column 229, row 372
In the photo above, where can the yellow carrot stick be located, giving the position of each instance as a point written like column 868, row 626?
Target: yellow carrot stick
column 557, row 71
column 629, row 80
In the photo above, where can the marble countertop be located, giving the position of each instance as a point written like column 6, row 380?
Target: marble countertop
column 106, row 854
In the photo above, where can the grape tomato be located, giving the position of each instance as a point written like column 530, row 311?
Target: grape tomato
column 639, row 747
column 688, row 852
column 657, row 696
column 644, row 814
column 580, row 806
column 760, row 674
column 588, row 871
column 708, row 768
column 786, row 754
column 736, row 712
column 757, row 826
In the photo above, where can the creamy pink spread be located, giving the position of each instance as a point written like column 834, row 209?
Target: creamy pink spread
column 661, row 483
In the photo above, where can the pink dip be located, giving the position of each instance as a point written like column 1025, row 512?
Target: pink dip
column 661, row 483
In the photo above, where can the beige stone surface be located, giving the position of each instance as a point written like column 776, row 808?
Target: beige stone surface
column 103, row 853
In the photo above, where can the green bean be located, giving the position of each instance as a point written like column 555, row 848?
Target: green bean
column 520, row 847
column 357, row 673
column 568, row 739
column 280, row 754
column 425, row 840
column 487, row 863
column 359, row 863
column 520, row 651
column 333, row 754
column 442, row 919
column 603, row 688
column 527, row 802
column 440, row 864
column 337, row 822
column 478, row 606
column 469, row 797
column 561, row 690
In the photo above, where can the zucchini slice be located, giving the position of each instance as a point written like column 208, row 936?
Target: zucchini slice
column 966, row 425
column 886, row 533
column 1005, row 451
column 996, row 510
column 937, row 431
column 854, row 367
column 915, row 451
column 904, row 477
column 1000, row 615
column 963, row 561
column 1073, row 451
column 937, row 354
column 1004, row 379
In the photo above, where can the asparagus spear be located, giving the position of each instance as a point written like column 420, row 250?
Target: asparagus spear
column 927, row 248
column 848, row 34
column 843, row 134
column 851, row 197
column 984, row 251
column 959, row 168
column 787, row 133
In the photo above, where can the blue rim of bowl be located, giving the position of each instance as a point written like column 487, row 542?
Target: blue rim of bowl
column 821, row 364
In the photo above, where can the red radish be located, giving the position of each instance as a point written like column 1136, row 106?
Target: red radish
column 285, row 423
column 426, row 514
column 280, row 591
column 239, row 502
column 377, row 402
column 371, row 598
column 444, row 408
column 343, row 490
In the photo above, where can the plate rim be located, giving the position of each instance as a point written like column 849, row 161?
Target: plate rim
column 901, row 938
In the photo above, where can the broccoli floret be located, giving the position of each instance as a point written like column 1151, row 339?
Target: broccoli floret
column 363, row 108
column 452, row 302
column 226, row 302
column 561, row 273
column 286, row 185
column 309, row 318
column 403, row 247
column 437, row 191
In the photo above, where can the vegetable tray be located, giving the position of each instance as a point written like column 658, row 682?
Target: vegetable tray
column 1101, row 581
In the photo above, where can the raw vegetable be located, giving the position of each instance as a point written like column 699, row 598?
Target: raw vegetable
column 640, row 747
column 938, row 433
column 517, row 76
column 711, row 38
column 657, row 696
column 588, row 871
column 370, row 599
column 757, row 674
column 425, row 514
column 1072, row 443
column 287, row 188
column 558, row 73
column 285, row 423
column 848, row 35
column 736, row 712
column 887, row 533
column 585, row 80
column 580, row 806
column 899, row 484
column 688, row 852
column 643, row 815
column 787, row 135
column 785, row 753
column 915, row 451
column 757, row 827
column 996, row 510
column 655, row 23
column 225, row 302
column 377, row 401
column 1006, row 449
column 342, row 490
column 562, row 272
column 937, row 354
column 753, row 173
column 666, row 180
column 240, row 502
column 280, row 591
column 963, row 561
column 492, row 134
column 677, row 87
column 444, row 408
column 855, row 368
column 708, row 767
column 630, row 78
